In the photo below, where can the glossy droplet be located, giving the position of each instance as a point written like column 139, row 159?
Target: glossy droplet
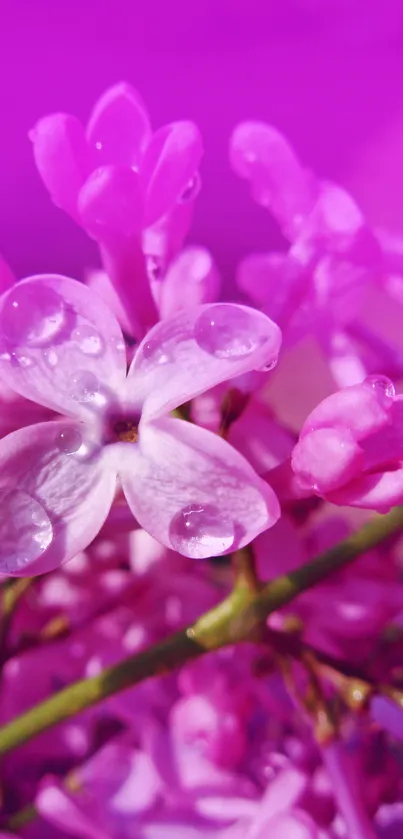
column 32, row 316
column 270, row 366
column 51, row 357
column 154, row 268
column 154, row 351
column 69, row 440
column 192, row 189
column 25, row 530
column 383, row 387
column 88, row 340
column 201, row 530
column 227, row 332
column 84, row 386
column 119, row 344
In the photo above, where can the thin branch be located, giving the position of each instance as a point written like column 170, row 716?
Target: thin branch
column 233, row 620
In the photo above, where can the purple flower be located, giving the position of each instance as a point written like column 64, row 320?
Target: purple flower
column 61, row 347
column 130, row 189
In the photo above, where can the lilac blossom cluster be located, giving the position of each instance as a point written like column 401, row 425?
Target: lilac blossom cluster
column 147, row 423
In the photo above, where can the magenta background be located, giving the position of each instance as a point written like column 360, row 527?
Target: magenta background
column 332, row 80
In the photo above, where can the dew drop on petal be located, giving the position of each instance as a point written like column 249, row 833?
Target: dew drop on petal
column 192, row 189
column 31, row 316
column 201, row 530
column 69, row 439
column 25, row 530
column 383, row 387
column 154, row 352
column 84, row 386
column 51, row 357
column 226, row 332
column 88, row 340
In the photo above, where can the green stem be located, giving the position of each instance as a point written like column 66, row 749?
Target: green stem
column 235, row 619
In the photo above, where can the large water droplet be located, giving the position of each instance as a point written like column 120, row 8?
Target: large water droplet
column 32, row 316
column 227, row 332
column 88, row 340
column 25, row 530
column 69, row 439
column 84, row 386
column 191, row 190
column 383, row 387
column 201, row 530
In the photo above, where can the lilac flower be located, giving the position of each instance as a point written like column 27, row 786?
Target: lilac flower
column 62, row 348
column 350, row 447
column 130, row 189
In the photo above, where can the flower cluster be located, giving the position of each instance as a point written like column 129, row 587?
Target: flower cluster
column 147, row 423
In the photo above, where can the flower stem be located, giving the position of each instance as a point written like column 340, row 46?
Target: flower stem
column 233, row 620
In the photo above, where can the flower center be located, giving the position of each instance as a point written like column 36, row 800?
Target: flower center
column 126, row 430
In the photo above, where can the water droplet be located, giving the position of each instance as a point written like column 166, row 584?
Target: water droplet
column 201, row 530
column 69, row 439
column 84, row 385
column 88, row 340
column 32, row 316
column 383, row 387
column 98, row 145
column 192, row 189
column 270, row 366
column 154, row 268
column 51, row 357
column 25, row 530
column 155, row 352
column 119, row 344
column 227, row 331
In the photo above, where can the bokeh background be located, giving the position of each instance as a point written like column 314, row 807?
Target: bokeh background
column 329, row 73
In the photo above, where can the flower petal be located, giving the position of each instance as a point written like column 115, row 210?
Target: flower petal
column 62, row 157
column 110, row 203
column 169, row 168
column 262, row 155
column 119, row 126
column 55, row 805
column 192, row 279
column 56, row 489
column 192, row 491
column 197, row 349
column 59, row 344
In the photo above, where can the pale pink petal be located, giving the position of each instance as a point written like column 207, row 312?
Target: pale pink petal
column 59, row 344
column 192, row 491
column 262, row 155
column 6, row 275
column 110, row 203
column 192, row 279
column 327, row 458
column 362, row 409
column 63, row 158
column 169, row 168
column 268, row 279
column 379, row 491
column 197, row 349
column 56, row 490
column 295, row 824
column 118, row 127
column 101, row 283
column 58, row 807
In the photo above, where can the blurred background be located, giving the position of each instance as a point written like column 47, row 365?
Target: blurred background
column 326, row 72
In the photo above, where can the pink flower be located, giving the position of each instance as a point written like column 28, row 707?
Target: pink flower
column 130, row 189
column 350, row 449
column 61, row 347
